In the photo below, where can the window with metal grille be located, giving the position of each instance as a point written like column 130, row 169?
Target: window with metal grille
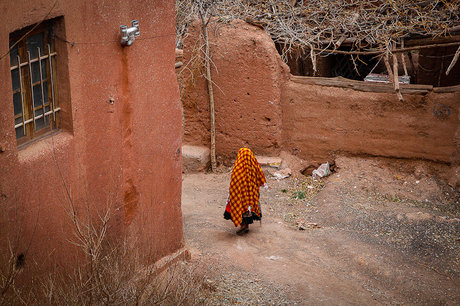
column 33, row 71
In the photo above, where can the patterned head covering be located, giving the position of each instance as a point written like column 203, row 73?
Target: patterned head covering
column 247, row 177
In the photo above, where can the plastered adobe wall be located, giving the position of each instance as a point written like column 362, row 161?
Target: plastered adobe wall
column 320, row 122
column 125, row 155
column 315, row 122
column 247, row 92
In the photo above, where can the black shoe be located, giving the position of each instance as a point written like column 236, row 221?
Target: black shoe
column 242, row 231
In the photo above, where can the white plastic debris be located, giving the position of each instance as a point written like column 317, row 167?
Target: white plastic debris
column 282, row 174
column 322, row 171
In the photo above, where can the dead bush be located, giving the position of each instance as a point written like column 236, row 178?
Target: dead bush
column 110, row 273
column 110, row 270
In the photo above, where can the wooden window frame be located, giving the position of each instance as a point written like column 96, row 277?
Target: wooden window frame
column 48, row 107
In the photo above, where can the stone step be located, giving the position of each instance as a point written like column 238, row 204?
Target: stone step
column 266, row 161
column 195, row 158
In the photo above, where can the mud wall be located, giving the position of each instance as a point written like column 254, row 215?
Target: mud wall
column 124, row 155
column 321, row 121
column 313, row 118
column 247, row 89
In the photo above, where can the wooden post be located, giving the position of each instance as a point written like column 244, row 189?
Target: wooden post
column 386, row 60
column 413, row 66
column 454, row 60
column 403, row 61
column 210, row 92
column 393, row 77
column 396, row 79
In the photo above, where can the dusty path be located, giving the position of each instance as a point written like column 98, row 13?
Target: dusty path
column 370, row 247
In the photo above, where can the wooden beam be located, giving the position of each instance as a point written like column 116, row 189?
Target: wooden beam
column 341, row 82
column 431, row 40
column 447, row 89
column 381, row 51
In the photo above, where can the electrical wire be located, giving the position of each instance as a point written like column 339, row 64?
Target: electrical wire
column 425, row 69
column 437, row 56
column 30, row 31
column 73, row 43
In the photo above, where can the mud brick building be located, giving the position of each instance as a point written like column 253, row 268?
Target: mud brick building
column 260, row 102
column 88, row 124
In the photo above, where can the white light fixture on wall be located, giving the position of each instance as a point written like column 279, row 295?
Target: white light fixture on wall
column 128, row 34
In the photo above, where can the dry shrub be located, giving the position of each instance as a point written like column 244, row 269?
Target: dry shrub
column 119, row 280
column 110, row 272
column 10, row 267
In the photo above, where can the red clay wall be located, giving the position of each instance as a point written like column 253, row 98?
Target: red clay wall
column 126, row 153
column 247, row 92
column 312, row 121
column 322, row 121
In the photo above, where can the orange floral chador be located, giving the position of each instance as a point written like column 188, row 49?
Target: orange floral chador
column 243, row 198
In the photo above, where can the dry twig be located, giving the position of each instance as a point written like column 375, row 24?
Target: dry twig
column 326, row 24
column 322, row 26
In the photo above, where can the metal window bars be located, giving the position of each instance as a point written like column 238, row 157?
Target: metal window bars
column 51, row 104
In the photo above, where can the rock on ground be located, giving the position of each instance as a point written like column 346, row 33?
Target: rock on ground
column 195, row 158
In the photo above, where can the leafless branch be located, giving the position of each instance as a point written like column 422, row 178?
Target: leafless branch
column 325, row 25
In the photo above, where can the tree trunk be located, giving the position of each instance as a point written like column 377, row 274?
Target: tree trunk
column 211, row 94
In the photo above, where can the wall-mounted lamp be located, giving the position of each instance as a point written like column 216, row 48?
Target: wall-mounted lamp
column 128, row 34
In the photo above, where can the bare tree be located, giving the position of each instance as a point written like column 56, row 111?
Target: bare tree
column 370, row 27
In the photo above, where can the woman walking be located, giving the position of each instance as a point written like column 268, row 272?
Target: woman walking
column 243, row 199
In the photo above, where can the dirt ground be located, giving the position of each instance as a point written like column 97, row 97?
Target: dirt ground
column 376, row 231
